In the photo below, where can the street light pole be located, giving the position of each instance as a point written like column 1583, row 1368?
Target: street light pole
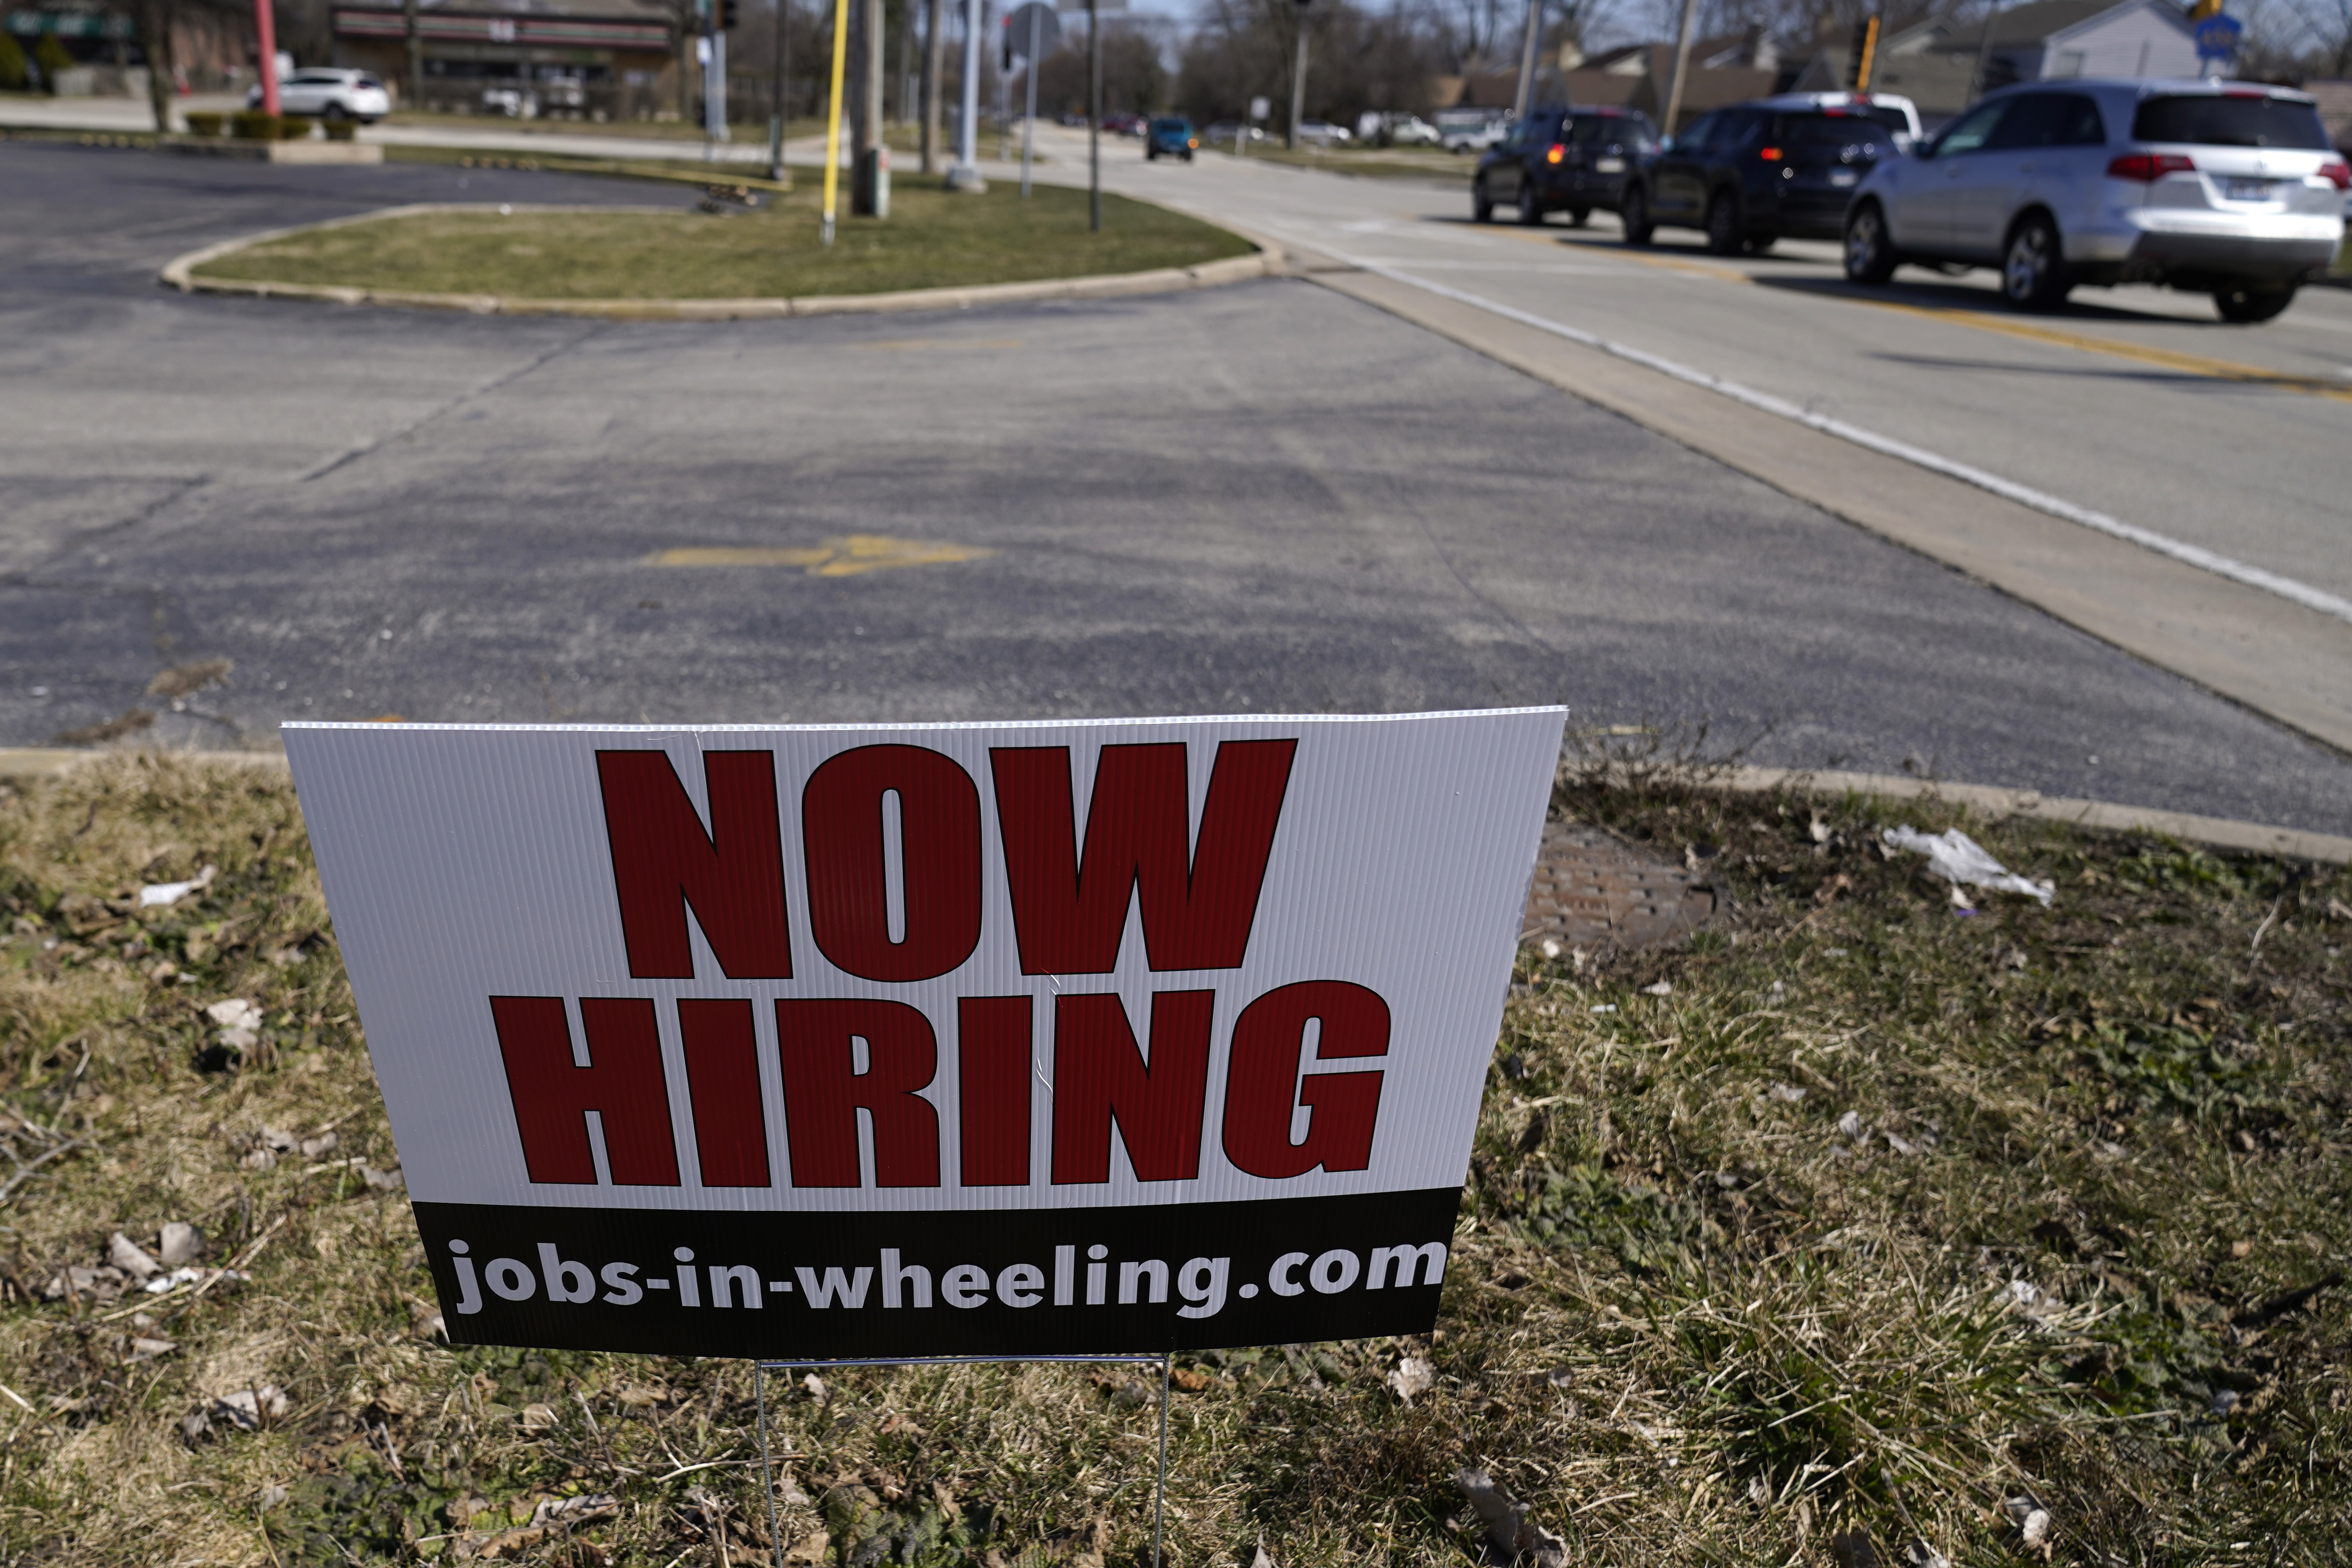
column 965, row 175
column 1094, row 118
column 776, row 94
column 1523, row 101
column 1682, row 67
column 1299, row 74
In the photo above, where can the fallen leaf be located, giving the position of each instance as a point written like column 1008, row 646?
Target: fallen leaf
column 1663, row 988
column 1192, row 1380
column 182, row 680
column 538, row 1417
column 236, row 1012
column 180, row 1243
column 248, row 1409
column 148, row 1350
column 573, row 1510
column 129, row 1256
column 1509, row 1533
column 1414, row 1374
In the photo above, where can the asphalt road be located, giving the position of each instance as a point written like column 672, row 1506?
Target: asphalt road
column 1263, row 497
column 2135, row 401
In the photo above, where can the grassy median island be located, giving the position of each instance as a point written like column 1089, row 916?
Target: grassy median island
column 932, row 240
column 1860, row 1229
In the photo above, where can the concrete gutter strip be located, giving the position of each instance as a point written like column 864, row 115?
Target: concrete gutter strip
column 179, row 273
column 2279, row 659
column 2222, row 832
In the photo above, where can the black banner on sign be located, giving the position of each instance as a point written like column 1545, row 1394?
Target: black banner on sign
column 1000, row 1282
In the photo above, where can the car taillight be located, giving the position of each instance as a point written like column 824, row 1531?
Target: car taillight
column 1770, row 154
column 1556, row 154
column 2336, row 172
column 2146, row 166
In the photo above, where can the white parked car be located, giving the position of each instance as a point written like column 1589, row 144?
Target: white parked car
column 1897, row 113
column 1411, row 130
column 328, row 95
column 2223, row 187
column 1323, row 130
column 1470, row 130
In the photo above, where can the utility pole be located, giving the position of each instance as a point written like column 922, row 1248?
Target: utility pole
column 1029, row 125
column 869, row 189
column 965, row 175
column 1682, row 67
column 1523, row 103
column 934, row 68
column 416, row 56
column 776, row 93
column 1298, row 72
column 1094, row 118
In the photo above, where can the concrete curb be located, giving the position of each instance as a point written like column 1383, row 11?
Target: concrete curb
column 2220, row 832
column 179, row 273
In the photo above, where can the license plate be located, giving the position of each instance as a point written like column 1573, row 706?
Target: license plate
column 1609, row 165
column 1842, row 176
column 2248, row 190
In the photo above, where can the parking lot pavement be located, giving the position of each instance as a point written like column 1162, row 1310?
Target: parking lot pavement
column 1263, row 497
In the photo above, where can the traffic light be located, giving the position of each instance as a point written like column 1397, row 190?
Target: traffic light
column 1865, row 47
column 730, row 13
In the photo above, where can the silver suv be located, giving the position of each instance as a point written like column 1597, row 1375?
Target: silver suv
column 2222, row 187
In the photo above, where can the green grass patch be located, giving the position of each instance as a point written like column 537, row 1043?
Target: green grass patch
column 1876, row 1224
column 933, row 239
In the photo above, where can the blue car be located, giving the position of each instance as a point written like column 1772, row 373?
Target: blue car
column 1170, row 136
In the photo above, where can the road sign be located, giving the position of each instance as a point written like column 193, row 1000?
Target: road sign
column 916, row 1040
column 2216, row 37
column 1260, row 108
column 1020, row 39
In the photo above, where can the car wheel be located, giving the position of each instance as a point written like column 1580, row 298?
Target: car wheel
column 1633, row 212
column 2033, row 268
column 1188, row 155
column 1723, row 235
column 1482, row 205
column 2247, row 306
column 1530, row 205
column 338, row 113
column 1869, row 258
column 1757, row 244
column 1578, row 217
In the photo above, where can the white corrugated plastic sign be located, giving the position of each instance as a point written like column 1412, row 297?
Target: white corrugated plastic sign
column 933, row 1039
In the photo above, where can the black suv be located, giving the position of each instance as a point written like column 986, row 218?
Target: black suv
column 1567, row 158
column 1750, row 174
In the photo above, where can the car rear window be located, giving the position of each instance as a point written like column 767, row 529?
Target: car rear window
column 1832, row 130
column 2218, row 119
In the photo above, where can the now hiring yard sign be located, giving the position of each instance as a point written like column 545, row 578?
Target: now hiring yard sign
column 905, row 1040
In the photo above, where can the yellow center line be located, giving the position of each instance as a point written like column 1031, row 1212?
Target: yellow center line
column 2168, row 359
column 847, row 557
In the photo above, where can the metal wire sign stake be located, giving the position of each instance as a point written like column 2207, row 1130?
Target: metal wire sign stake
column 908, row 1043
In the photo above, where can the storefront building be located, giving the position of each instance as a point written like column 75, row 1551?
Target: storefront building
column 587, row 59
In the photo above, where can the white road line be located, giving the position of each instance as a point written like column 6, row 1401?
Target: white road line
column 2195, row 555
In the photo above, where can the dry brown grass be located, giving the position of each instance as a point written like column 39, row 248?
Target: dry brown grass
column 1690, row 1321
